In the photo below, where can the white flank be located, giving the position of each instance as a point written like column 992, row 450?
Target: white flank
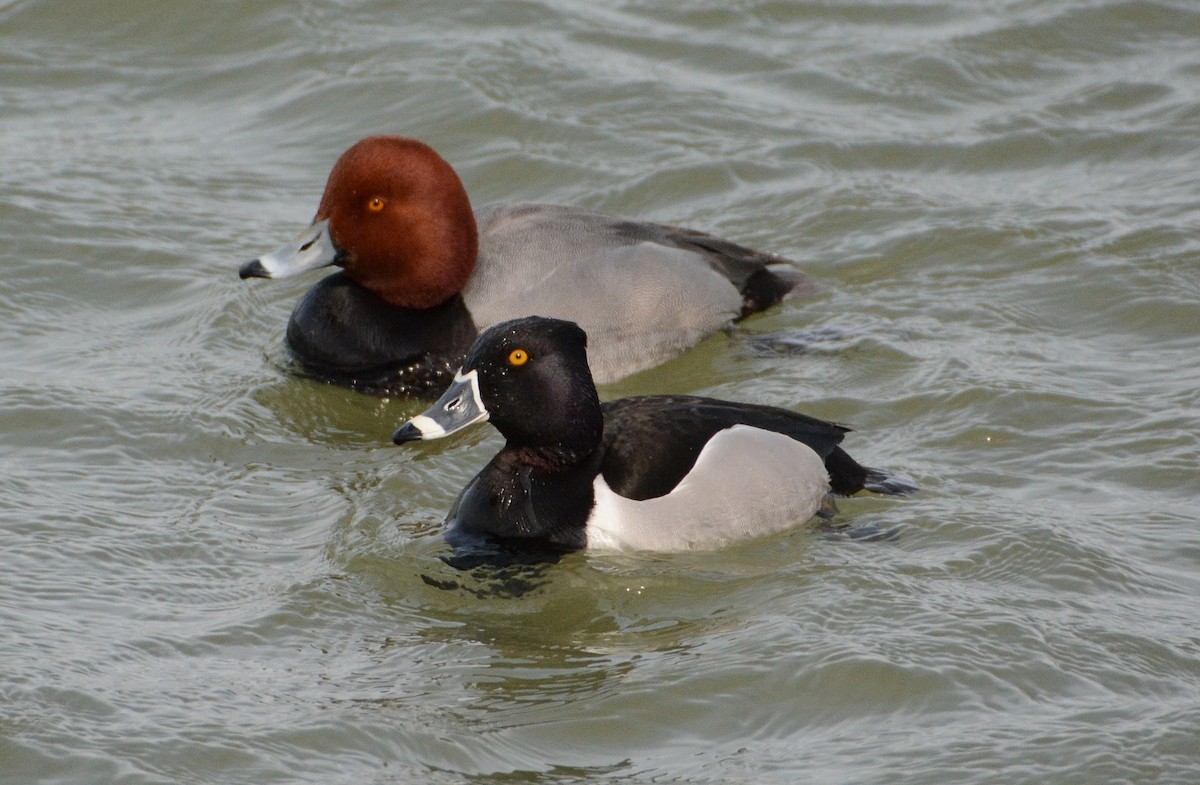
column 747, row 482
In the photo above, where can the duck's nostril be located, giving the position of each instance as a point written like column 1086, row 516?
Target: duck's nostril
column 452, row 405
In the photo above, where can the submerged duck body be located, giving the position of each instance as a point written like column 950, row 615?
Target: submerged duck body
column 661, row 472
column 422, row 274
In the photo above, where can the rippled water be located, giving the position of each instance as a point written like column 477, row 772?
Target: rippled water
column 213, row 572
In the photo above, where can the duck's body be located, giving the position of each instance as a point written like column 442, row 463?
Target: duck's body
column 424, row 275
column 778, row 483
column 650, row 472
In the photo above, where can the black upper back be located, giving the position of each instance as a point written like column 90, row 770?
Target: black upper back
column 652, row 442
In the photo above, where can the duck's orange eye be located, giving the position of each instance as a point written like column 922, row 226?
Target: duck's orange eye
column 375, row 205
column 518, row 357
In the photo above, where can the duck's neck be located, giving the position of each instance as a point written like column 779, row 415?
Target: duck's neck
column 561, row 457
column 539, row 487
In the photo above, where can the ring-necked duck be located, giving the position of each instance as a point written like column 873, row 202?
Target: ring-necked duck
column 660, row 472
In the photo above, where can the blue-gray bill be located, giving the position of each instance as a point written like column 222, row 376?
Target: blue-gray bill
column 313, row 249
column 458, row 407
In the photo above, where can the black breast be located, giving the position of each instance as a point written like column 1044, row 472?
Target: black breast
column 342, row 333
column 516, row 501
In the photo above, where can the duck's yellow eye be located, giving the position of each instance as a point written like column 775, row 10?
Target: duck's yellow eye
column 375, row 205
column 518, row 357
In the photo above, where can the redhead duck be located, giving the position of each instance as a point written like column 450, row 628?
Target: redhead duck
column 422, row 274
column 659, row 472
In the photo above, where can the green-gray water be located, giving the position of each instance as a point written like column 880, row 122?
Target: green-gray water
column 211, row 572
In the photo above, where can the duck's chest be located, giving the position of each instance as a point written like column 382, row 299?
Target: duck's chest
column 343, row 333
column 523, row 504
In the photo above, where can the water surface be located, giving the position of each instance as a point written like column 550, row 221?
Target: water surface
column 211, row 571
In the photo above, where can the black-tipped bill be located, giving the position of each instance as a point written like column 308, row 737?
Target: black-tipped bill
column 253, row 269
column 458, row 407
column 313, row 249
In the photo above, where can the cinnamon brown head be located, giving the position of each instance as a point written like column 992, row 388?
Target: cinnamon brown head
column 402, row 220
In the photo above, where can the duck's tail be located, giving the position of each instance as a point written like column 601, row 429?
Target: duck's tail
column 847, row 477
column 889, row 483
